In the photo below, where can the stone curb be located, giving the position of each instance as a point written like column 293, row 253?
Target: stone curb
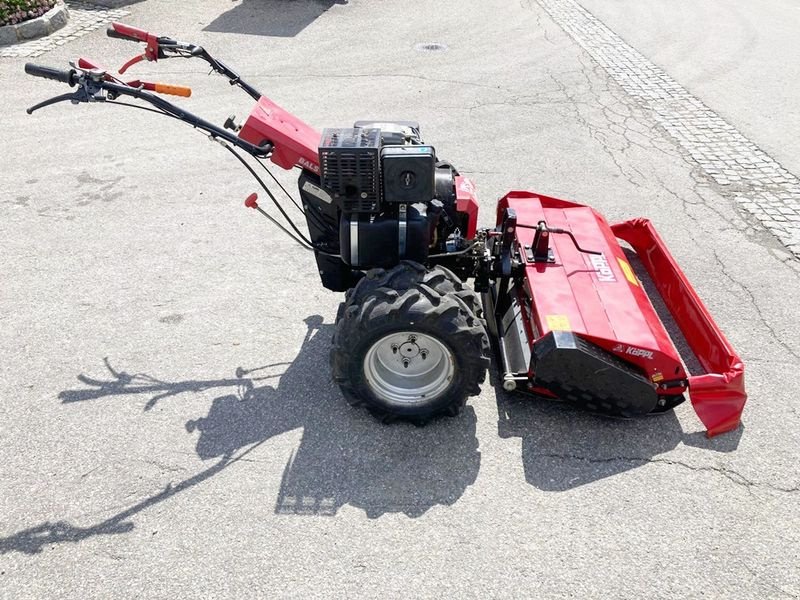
column 50, row 22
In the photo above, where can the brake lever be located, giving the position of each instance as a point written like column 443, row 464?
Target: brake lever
column 152, row 52
column 131, row 62
column 76, row 97
column 89, row 88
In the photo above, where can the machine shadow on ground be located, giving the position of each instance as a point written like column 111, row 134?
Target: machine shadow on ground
column 344, row 456
column 564, row 448
column 275, row 18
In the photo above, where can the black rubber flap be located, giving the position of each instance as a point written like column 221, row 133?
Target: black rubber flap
column 584, row 374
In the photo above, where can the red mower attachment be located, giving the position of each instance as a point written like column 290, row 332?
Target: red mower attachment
column 579, row 325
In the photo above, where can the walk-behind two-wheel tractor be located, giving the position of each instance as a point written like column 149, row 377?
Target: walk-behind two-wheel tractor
column 554, row 294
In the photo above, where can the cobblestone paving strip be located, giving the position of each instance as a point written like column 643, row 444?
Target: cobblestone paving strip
column 738, row 167
column 84, row 18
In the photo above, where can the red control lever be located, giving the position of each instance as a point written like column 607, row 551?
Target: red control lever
column 86, row 64
column 252, row 201
column 127, row 32
column 130, row 63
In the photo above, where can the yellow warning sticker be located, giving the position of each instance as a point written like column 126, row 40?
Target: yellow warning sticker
column 657, row 377
column 558, row 323
column 629, row 275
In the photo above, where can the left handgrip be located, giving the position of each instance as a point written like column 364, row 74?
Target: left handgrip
column 68, row 77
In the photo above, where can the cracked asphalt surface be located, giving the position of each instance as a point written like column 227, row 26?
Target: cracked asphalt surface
column 738, row 167
column 167, row 423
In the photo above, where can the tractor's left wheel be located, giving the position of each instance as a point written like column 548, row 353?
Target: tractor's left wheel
column 410, row 354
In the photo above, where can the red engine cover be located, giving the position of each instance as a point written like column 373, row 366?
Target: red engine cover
column 296, row 143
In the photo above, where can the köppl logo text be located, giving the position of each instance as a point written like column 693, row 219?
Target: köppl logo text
column 601, row 267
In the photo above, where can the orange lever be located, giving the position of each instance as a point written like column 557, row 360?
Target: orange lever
column 175, row 90
column 162, row 88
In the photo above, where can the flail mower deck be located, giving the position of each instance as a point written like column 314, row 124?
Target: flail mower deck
column 554, row 293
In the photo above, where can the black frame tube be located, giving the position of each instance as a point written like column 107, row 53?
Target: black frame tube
column 187, row 117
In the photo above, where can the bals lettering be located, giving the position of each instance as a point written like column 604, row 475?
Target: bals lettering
column 307, row 164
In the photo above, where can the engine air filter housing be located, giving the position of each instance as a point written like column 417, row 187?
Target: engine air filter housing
column 409, row 173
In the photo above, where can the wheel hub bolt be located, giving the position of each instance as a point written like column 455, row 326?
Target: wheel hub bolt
column 406, row 362
column 424, row 354
column 394, row 348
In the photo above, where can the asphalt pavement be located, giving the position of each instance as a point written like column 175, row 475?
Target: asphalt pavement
column 740, row 57
column 168, row 427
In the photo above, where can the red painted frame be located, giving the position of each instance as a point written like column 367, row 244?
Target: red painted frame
column 296, row 143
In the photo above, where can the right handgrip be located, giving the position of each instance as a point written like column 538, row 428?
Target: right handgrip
column 113, row 33
column 68, row 77
column 126, row 32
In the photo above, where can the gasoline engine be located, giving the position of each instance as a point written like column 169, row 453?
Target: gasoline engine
column 382, row 197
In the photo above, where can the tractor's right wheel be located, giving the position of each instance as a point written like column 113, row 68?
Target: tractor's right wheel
column 409, row 352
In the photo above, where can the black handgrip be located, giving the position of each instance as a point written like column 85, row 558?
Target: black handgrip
column 113, row 33
column 68, row 77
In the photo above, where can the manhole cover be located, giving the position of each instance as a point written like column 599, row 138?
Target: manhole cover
column 431, row 47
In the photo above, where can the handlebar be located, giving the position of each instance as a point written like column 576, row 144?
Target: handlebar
column 162, row 47
column 94, row 85
column 68, row 77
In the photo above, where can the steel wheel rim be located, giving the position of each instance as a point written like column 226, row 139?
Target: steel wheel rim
column 406, row 367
